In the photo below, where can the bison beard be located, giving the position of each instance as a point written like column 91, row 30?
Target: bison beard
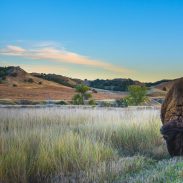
column 172, row 119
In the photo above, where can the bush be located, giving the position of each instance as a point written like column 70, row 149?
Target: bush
column 82, row 88
column 27, row 102
column 30, row 80
column 164, row 88
column 92, row 102
column 2, row 72
column 61, row 102
column 14, row 85
column 7, row 102
column 122, row 102
column 13, row 74
column 94, row 91
column 137, row 95
column 78, row 100
column 83, row 94
column 105, row 104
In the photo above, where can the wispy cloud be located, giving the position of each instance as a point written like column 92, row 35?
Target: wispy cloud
column 12, row 50
column 48, row 52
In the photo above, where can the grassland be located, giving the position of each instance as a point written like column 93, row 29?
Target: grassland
column 84, row 145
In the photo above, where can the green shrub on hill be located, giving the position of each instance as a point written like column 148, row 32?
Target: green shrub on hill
column 61, row 102
column 82, row 96
column 122, row 102
column 30, row 80
column 137, row 95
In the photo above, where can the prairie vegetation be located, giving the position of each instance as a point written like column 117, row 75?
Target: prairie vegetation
column 84, row 145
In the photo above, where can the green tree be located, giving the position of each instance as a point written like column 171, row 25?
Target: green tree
column 92, row 102
column 82, row 90
column 137, row 95
column 122, row 102
column 77, row 100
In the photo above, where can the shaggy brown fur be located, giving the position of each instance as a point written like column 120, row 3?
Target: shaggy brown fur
column 172, row 119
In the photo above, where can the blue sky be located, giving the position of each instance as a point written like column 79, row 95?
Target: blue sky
column 93, row 39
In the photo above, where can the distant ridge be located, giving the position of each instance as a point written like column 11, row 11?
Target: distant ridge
column 118, row 84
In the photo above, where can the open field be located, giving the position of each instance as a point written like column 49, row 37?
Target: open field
column 84, row 145
column 57, row 92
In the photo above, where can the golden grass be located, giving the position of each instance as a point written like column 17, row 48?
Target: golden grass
column 84, row 145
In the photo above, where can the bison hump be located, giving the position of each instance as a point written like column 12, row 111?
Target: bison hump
column 172, row 107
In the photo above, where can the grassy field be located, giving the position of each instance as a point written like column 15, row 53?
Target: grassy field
column 84, row 145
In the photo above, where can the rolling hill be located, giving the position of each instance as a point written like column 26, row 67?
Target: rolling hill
column 15, row 83
column 66, row 81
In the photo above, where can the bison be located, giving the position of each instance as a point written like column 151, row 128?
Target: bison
column 172, row 119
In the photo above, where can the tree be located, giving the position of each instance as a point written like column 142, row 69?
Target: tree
column 82, row 90
column 77, row 100
column 92, row 102
column 122, row 102
column 137, row 95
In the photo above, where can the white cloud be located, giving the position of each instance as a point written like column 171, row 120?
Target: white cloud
column 45, row 51
column 12, row 50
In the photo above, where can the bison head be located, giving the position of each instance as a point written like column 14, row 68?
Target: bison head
column 173, row 134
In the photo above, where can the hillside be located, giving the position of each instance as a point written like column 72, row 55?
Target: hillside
column 66, row 81
column 18, row 84
column 15, row 83
column 118, row 84
column 165, row 86
column 161, row 88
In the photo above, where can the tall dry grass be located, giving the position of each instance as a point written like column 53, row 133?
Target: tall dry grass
column 76, row 144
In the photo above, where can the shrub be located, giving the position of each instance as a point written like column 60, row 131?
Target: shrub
column 30, row 80
column 26, row 102
column 77, row 100
column 3, row 77
column 82, row 90
column 2, row 72
column 61, row 102
column 122, row 102
column 7, row 102
column 92, row 102
column 13, row 74
column 137, row 95
column 105, row 104
column 94, row 91
column 14, row 85
column 164, row 88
